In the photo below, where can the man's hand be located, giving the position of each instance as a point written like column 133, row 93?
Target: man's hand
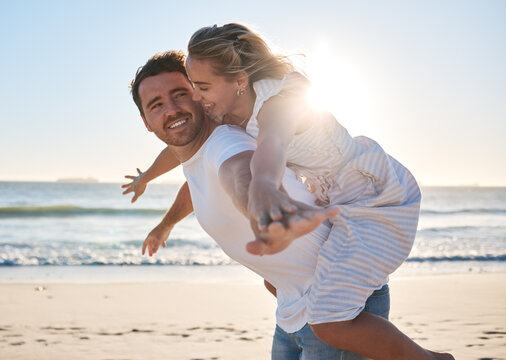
column 280, row 234
column 156, row 237
column 137, row 186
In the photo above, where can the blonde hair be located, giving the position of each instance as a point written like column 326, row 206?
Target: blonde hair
column 233, row 48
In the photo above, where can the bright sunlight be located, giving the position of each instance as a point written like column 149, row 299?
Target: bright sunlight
column 339, row 87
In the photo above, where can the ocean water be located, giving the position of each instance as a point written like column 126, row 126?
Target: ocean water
column 64, row 230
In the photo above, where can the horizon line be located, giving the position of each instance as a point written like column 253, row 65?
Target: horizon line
column 107, row 181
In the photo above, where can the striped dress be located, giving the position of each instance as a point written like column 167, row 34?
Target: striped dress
column 379, row 202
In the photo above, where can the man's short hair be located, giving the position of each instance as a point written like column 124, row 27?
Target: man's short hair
column 169, row 61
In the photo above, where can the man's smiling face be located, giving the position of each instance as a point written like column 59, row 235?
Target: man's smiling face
column 168, row 108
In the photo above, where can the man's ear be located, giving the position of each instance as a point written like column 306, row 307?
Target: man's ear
column 146, row 124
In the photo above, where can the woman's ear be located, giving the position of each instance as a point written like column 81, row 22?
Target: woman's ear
column 242, row 79
column 146, row 124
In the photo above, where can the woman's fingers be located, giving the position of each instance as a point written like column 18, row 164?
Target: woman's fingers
column 275, row 213
column 288, row 207
column 263, row 221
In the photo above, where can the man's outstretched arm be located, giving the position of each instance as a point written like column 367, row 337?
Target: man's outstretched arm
column 181, row 208
column 165, row 162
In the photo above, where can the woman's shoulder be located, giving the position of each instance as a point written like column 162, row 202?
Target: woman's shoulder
column 292, row 83
column 296, row 83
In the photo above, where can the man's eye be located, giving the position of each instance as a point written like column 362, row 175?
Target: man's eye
column 155, row 106
column 179, row 95
column 203, row 88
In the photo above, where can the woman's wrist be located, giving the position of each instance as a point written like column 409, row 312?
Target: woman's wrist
column 263, row 181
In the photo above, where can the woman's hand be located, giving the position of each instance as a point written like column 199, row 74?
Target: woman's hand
column 137, row 186
column 280, row 234
column 155, row 238
column 267, row 204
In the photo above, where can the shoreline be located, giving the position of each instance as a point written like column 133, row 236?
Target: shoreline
column 233, row 273
column 463, row 314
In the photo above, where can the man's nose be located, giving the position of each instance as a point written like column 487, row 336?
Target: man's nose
column 171, row 109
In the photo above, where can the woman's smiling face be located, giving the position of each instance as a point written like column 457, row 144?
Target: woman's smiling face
column 217, row 94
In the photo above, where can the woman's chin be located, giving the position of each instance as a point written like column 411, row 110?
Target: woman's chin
column 217, row 119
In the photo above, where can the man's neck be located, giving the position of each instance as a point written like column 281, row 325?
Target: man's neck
column 183, row 153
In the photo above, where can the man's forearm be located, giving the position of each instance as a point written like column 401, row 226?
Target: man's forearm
column 181, row 207
column 164, row 162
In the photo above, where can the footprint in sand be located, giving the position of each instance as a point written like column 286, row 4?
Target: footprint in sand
column 245, row 338
column 141, row 331
column 495, row 333
column 17, row 343
column 52, row 328
column 111, row 334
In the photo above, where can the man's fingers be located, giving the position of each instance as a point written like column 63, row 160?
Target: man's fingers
column 332, row 211
column 256, row 247
column 155, row 248
column 139, row 171
column 127, row 191
column 275, row 229
column 131, row 177
column 136, row 196
column 296, row 221
column 144, row 247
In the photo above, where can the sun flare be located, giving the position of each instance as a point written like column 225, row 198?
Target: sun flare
column 339, row 87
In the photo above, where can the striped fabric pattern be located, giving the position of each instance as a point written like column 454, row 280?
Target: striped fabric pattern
column 379, row 202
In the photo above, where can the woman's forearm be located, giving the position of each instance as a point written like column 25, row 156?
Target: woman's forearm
column 235, row 177
column 268, row 162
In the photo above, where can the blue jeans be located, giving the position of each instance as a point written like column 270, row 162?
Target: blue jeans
column 304, row 345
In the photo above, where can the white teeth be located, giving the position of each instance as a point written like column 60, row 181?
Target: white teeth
column 207, row 106
column 179, row 123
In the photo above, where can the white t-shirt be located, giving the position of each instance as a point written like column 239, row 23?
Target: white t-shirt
column 290, row 271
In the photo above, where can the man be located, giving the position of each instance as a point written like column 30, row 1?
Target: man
column 215, row 161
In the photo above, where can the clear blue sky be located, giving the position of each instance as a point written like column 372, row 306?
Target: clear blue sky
column 426, row 79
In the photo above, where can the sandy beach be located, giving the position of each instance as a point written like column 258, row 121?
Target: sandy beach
column 463, row 314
